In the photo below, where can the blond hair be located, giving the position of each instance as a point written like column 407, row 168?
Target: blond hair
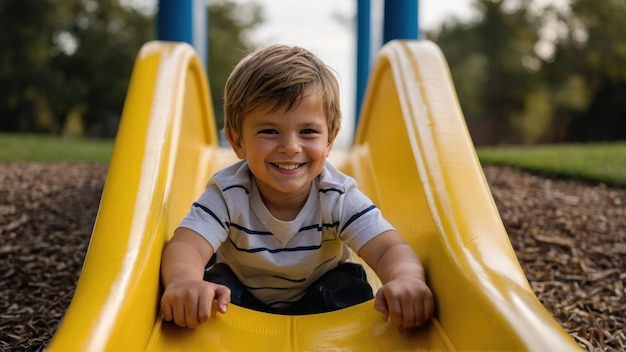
column 276, row 77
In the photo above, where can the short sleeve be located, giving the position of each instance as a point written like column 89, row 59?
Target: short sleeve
column 208, row 217
column 360, row 220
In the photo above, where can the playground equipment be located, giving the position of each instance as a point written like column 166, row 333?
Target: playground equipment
column 411, row 154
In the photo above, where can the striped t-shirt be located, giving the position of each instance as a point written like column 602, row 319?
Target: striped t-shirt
column 277, row 260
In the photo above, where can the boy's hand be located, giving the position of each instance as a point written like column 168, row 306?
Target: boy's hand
column 188, row 303
column 405, row 302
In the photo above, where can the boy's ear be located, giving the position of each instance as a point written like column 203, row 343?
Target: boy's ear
column 236, row 142
column 331, row 141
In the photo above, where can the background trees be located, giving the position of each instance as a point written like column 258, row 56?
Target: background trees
column 65, row 65
column 592, row 53
column 529, row 74
column 524, row 73
column 228, row 25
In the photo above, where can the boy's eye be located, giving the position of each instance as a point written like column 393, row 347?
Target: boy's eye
column 308, row 131
column 268, row 131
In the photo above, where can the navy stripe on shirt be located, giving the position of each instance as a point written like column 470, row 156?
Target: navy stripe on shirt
column 277, row 288
column 236, row 186
column 266, row 233
column 324, row 263
column 278, row 250
column 326, row 190
column 288, row 279
column 208, row 211
column 275, row 250
column 318, row 227
column 249, row 231
column 357, row 215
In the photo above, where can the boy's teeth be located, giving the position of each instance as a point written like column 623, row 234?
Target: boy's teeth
column 287, row 167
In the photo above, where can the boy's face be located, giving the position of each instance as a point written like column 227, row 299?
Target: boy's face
column 286, row 150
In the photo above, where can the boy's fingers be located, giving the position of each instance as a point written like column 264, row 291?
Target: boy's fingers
column 166, row 310
column 394, row 306
column 222, row 295
column 380, row 303
column 191, row 312
column 429, row 306
column 410, row 313
column 179, row 314
column 204, row 308
column 422, row 311
column 429, row 309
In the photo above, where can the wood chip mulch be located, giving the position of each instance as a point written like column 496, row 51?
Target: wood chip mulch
column 570, row 238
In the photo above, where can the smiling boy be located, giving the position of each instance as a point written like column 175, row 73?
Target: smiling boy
column 282, row 220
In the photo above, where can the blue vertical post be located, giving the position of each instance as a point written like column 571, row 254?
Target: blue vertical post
column 364, row 39
column 400, row 20
column 184, row 21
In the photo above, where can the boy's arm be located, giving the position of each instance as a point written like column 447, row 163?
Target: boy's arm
column 187, row 298
column 405, row 299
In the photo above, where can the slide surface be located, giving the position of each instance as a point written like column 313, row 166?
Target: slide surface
column 411, row 154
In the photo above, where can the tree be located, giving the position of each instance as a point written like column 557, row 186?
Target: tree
column 65, row 58
column 23, row 61
column 513, row 90
column 588, row 71
column 68, row 62
column 93, row 78
column 229, row 24
column 493, row 63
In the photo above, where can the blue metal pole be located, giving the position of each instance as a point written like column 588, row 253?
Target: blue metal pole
column 400, row 20
column 363, row 51
column 184, row 21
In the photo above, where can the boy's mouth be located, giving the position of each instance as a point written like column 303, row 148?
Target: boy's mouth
column 287, row 167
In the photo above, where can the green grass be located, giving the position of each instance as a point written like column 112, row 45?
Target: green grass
column 599, row 162
column 603, row 162
column 43, row 148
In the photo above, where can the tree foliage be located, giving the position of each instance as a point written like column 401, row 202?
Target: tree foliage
column 528, row 74
column 229, row 24
column 67, row 59
column 65, row 65
column 523, row 73
column 594, row 52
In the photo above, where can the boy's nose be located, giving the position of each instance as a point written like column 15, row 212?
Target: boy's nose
column 290, row 144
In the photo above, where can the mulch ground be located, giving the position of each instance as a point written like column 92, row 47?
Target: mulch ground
column 569, row 236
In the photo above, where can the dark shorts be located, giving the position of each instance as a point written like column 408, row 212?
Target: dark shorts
column 344, row 286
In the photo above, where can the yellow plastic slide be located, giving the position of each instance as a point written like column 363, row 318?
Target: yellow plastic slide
column 412, row 155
